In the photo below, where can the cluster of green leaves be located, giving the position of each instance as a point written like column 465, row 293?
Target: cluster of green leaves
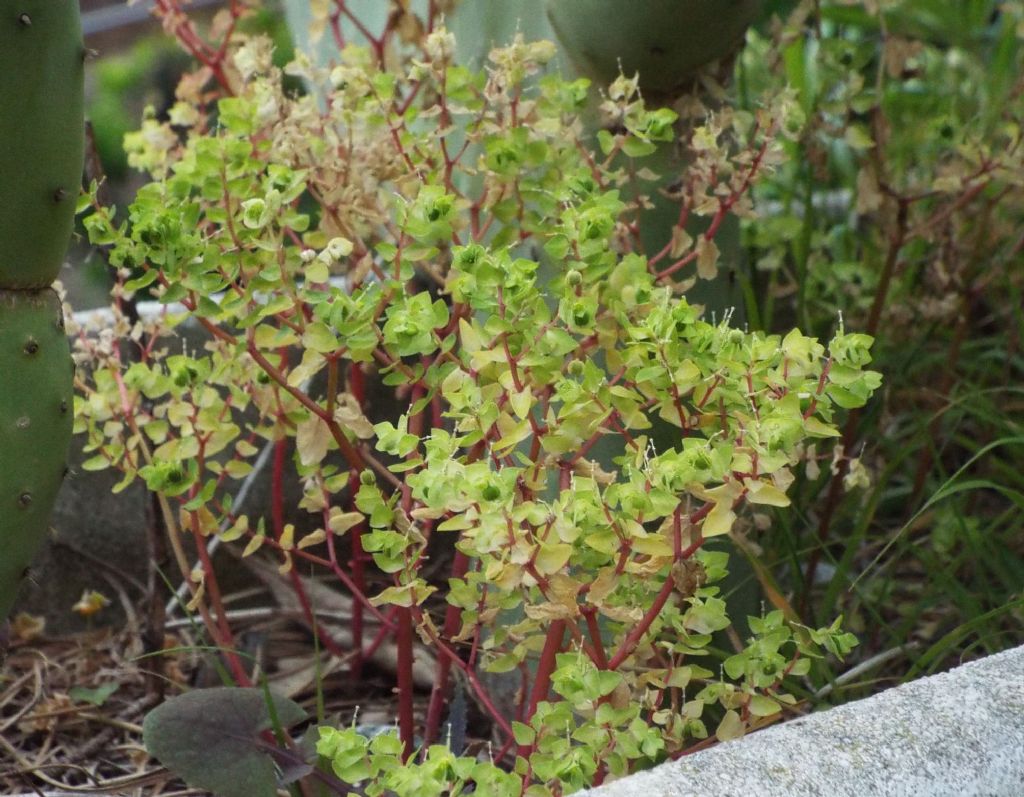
column 903, row 101
column 457, row 235
column 593, row 727
column 355, row 759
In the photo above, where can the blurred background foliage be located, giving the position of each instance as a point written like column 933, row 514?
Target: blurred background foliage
column 901, row 213
column 901, row 208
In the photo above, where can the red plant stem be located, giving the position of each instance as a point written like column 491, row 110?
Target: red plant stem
column 452, row 616
column 218, row 629
column 277, row 487
column 277, row 520
column 403, row 636
column 225, row 640
column 383, row 634
column 633, row 638
column 600, row 657
column 326, row 639
column 437, row 412
column 376, row 44
column 357, row 383
column 474, row 682
column 356, row 564
column 503, row 751
column 684, row 216
column 184, row 31
column 348, row 451
column 332, row 565
column 545, row 667
column 339, row 37
column 405, row 685
column 896, row 242
column 724, row 207
column 357, row 387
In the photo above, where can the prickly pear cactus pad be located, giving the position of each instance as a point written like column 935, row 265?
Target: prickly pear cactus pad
column 41, row 141
column 666, row 41
column 35, row 425
column 41, row 151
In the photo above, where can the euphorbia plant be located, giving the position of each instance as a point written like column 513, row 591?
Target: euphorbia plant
column 456, row 236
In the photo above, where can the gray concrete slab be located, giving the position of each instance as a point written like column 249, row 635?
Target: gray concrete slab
column 957, row 734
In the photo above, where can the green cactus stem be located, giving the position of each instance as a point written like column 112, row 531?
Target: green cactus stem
column 666, row 41
column 41, row 152
column 41, row 138
column 35, row 426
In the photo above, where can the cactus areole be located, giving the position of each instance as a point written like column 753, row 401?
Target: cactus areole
column 35, row 426
column 41, row 151
column 41, row 137
column 666, row 41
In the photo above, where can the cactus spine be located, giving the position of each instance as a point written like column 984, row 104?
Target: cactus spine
column 41, row 151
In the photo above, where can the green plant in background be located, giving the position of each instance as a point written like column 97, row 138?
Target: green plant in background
column 901, row 204
column 41, row 148
column 125, row 84
column 508, row 380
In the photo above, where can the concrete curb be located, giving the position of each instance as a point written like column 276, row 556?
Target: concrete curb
column 959, row 734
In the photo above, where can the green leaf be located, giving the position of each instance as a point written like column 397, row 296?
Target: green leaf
column 551, row 557
column 97, row 696
column 637, row 148
column 524, row 734
column 764, row 706
column 211, row 739
column 759, row 492
column 317, row 271
column 319, row 337
column 816, row 428
column 406, row 595
column 731, row 727
column 858, row 138
column 719, row 520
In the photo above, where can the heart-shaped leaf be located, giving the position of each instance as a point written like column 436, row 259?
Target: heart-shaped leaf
column 211, row 739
